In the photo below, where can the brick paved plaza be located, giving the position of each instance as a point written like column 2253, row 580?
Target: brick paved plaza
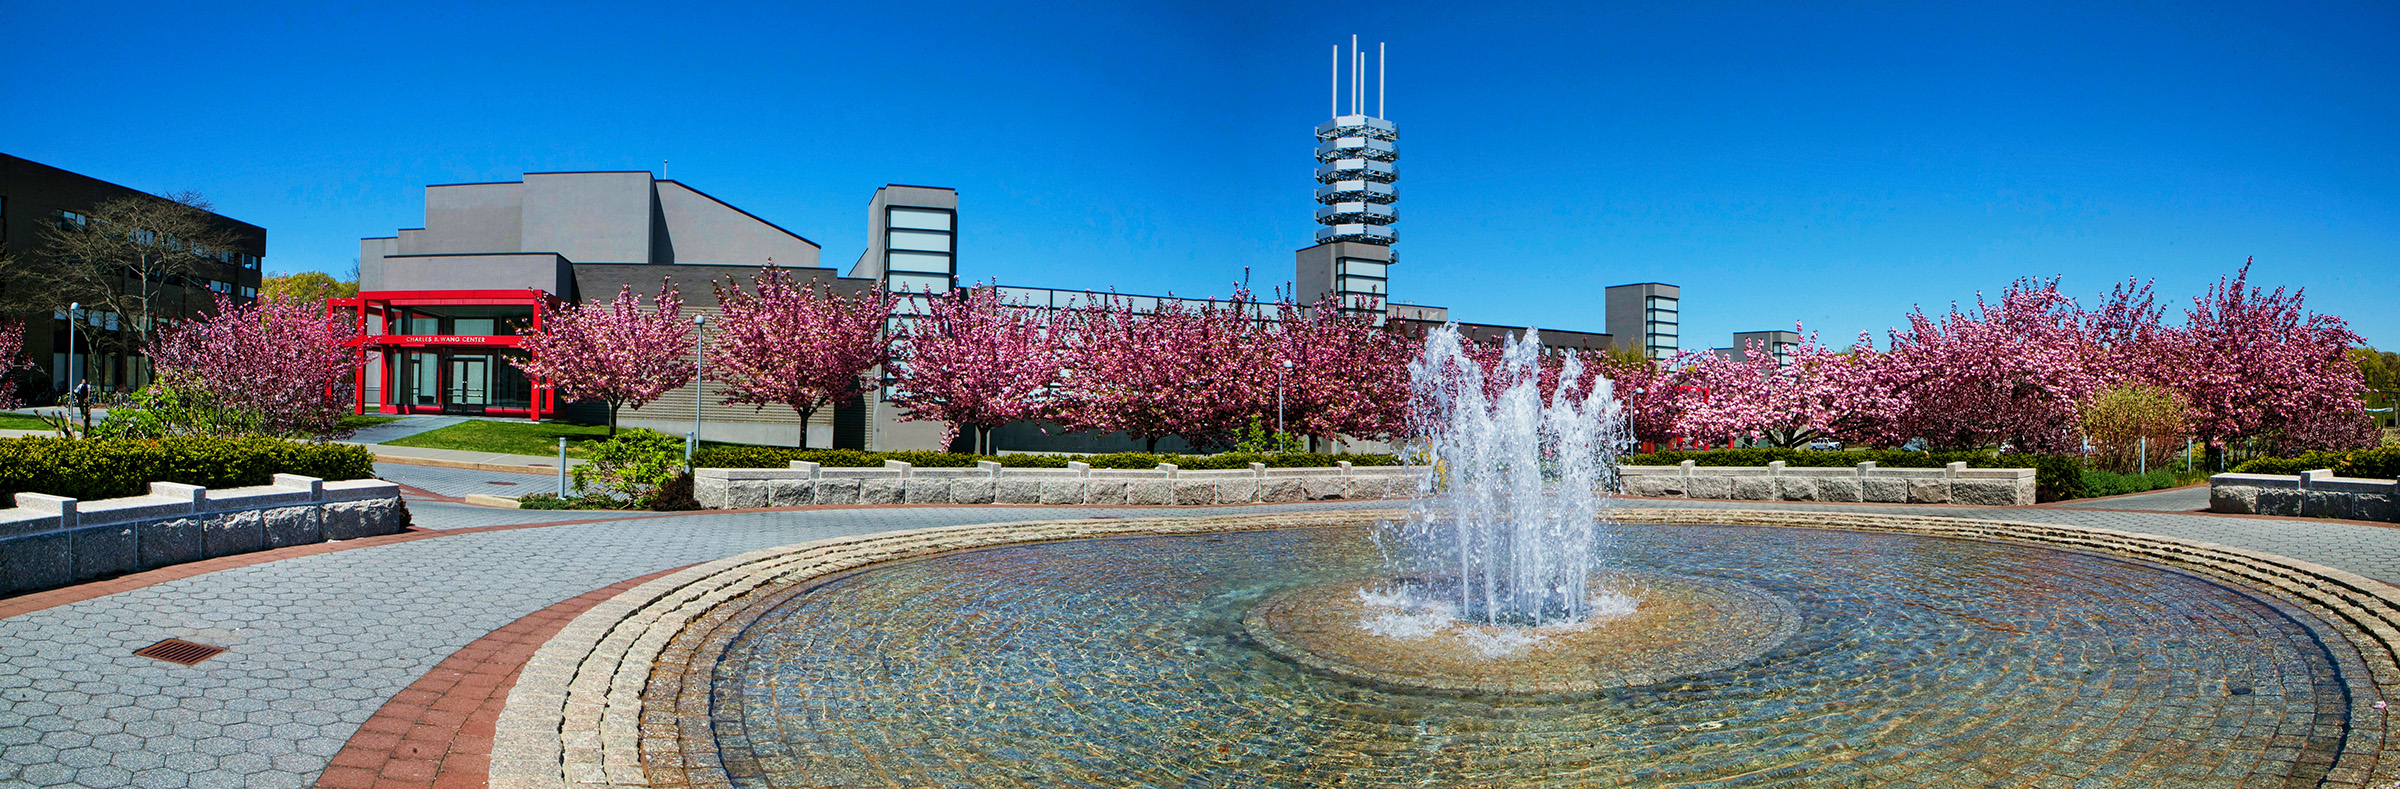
column 320, row 640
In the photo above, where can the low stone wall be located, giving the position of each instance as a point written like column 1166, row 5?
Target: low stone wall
column 990, row 483
column 48, row 541
column 2317, row 494
column 1954, row 484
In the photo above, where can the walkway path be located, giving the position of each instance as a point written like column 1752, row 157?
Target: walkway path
column 319, row 642
column 2191, row 498
column 406, row 426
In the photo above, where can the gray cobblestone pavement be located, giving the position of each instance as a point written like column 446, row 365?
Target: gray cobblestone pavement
column 458, row 482
column 319, row 642
column 2189, row 499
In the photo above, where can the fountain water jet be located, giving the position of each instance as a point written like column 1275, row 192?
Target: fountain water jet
column 1510, row 532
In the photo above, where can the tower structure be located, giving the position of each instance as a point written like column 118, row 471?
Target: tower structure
column 1357, row 168
column 1357, row 159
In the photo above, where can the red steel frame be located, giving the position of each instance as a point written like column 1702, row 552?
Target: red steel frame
column 379, row 303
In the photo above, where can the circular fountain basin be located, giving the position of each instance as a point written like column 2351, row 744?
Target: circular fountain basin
column 1679, row 625
column 1775, row 656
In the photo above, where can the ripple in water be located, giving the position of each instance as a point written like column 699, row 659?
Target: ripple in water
column 1891, row 660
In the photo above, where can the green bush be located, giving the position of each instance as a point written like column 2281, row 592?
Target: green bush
column 2099, row 482
column 2381, row 463
column 781, row 457
column 630, row 466
column 115, row 468
column 2055, row 478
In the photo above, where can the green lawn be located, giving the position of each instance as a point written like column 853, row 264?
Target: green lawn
column 514, row 438
column 356, row 421
column 21, row 422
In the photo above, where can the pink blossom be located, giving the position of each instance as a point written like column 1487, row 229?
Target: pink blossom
column 616, row 352
column 801, row 346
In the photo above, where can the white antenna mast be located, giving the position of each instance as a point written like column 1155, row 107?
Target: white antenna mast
column 1356, row 86
column 1380, row 53
column 1337, row 80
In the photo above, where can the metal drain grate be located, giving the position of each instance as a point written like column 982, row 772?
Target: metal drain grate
column 489, row 482
column 180, row 652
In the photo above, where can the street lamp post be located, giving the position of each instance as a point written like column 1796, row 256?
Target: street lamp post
column 68, row 375
column 1279, row 382
column 699, row 359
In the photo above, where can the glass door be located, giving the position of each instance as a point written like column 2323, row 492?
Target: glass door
column 469, row 385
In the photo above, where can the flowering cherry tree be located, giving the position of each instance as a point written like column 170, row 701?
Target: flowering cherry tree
column 1819, row 393
column 2257, row 364
column 617, row 353
column 12, row 353
column 976, row 362
column 280, row 363
column 1199, row 372
column 2008, row 373
column 801, row 346
column 1348, row 376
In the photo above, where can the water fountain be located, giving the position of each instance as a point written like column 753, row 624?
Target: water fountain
column 1486, row 638
column 1517, row 484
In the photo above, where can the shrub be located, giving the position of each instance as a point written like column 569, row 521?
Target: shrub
column 2099, row 482
column 543, row 501
column 2382, row 463
column 675, row 495
column 116, row 468
column 631, row 465
column 2116, row 420
column 780, row 457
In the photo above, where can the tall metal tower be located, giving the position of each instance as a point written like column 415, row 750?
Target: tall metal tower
column 1356, row 156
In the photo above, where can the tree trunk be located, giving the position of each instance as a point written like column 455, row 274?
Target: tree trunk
column 983, row 440
column 612, row 417
column 805, row 415
column 1150, row 445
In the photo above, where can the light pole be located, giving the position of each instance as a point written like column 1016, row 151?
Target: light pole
column 68, row 375
column 699, row 359
column 1279, row 379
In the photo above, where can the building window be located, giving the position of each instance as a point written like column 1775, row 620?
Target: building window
column 1361, row 284
column 917, row 283
column 920, row 250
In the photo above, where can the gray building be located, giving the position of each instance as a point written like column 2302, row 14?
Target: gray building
column 36, row 198
column 1646, row 316
column 444, row 290
column 1776, row 342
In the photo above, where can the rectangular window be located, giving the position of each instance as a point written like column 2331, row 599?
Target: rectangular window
column 917, row 283
column 926, row 240
column 919, row 218
column 1363, row 285
column 1353, row 267
column 481, row 327
column 921, row 262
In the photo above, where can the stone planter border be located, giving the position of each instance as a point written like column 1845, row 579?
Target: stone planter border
column 2317, row 494
column 806, row 483
column 48, row 541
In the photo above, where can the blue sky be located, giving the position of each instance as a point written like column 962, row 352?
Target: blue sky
column 1780, row 163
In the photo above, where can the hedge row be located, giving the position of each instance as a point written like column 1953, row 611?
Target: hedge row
column 2367, row 463
column 2055, row 478
column 115, row 468
column 781, row 457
